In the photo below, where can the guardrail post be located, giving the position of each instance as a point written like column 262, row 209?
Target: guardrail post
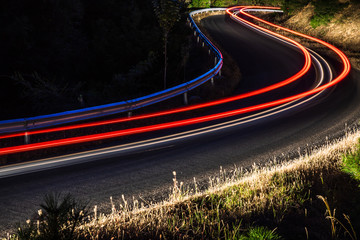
column 27, row 138
column 194, row 33
column 212, row 81
column 26, row 135
column 215, row 65
column 198, row 38
column 203, row 44
column 186, row 101
column 130, row 114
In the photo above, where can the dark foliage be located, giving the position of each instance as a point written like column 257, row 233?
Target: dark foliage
column 325, row 11
column 80, row 47
column 57, row 219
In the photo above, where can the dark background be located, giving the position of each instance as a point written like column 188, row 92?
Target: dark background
column 52, row 51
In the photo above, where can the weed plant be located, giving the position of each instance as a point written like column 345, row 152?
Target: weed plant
column 325, row 11
column 56, row 220
column 351, row 164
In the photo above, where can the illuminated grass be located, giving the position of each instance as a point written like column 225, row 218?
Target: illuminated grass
column 352, row 164
column 240, row 203
column 228, row 209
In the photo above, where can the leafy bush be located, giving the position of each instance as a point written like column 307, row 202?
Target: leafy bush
column 352, row 164
column 325, row 11
column 200, row 3
column 290, row 4
column 260, row 233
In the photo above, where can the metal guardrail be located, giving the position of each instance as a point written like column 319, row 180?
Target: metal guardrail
column 25, row 124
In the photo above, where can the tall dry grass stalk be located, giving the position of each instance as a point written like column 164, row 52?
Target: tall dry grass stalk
column 334, row 221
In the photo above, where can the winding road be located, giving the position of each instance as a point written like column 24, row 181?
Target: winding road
column 147, row 172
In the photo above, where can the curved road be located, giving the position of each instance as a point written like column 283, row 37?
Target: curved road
column 149, row 173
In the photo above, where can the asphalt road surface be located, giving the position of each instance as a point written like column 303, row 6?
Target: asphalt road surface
column 148, row 173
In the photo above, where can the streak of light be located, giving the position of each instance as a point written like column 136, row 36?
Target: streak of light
column 285, row 82
column 94, row 137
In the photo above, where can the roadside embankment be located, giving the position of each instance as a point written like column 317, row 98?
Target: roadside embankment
column 341, row 30
column 293, row 199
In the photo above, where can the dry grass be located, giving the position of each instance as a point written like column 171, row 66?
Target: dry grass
column 343, row 28
column 342, row 31
column 231, row 198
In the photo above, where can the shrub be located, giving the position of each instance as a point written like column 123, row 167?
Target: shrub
column 325, row 11
column 57, row 219
column 352, row 164
column 260, row 233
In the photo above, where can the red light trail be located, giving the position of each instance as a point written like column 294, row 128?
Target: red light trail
column 287, row 81
column 186, row 122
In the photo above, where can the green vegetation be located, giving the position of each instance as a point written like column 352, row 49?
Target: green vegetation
column 202, row 3
column 226, row 3
column 260, row 233
column 303, row 199
column 352, row 164
column 325, row 11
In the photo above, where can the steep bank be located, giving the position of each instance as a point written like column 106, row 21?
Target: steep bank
column 343, row 29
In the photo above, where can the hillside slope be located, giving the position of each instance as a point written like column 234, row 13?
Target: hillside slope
column 343, row 29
